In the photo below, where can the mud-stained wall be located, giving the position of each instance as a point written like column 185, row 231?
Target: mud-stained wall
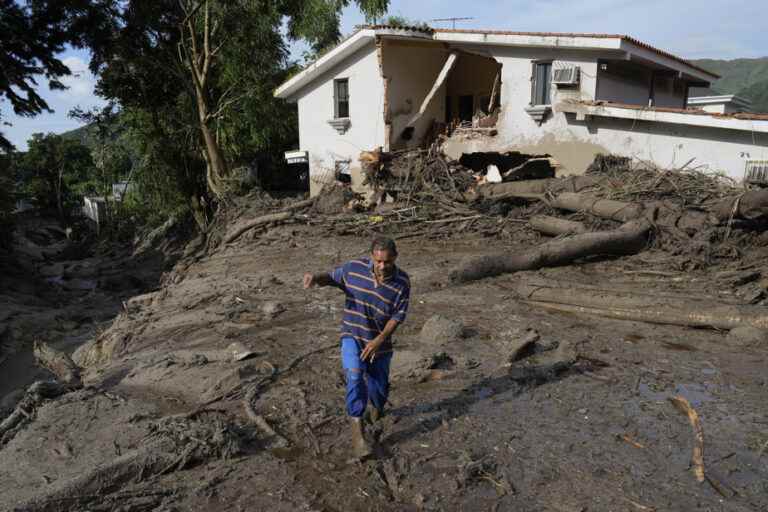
column 325, row 145
column 412, row 68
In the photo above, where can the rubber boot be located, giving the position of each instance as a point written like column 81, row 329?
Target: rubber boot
column 360, row 447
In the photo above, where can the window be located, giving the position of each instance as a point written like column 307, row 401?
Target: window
column 341, row 98
column 541, row 83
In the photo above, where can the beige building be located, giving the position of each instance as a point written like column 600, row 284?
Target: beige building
column 569, row 95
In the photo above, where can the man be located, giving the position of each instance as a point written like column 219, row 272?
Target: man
column 377, row 294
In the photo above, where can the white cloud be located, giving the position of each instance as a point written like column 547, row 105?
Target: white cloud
column 80, row 83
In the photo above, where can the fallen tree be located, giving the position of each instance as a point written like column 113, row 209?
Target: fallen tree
column 283, row 215
column 555, row 226
column 656, row 309
column 528, row 187
column 630, row 238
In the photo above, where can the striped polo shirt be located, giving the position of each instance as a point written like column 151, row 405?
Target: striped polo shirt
column 369, row 306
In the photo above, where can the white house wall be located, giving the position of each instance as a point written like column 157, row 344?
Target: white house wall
column 671, row 146
column 575, row 143
column 519, row 131
column 326, row 146
column 412, row 69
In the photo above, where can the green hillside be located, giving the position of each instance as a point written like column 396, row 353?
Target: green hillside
column 747, row 78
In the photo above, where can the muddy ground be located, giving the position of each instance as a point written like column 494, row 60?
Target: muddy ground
column 468, row 429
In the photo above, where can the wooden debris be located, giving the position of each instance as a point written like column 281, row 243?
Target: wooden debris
column 697, row 457
column 555, row 226
column 629, row 239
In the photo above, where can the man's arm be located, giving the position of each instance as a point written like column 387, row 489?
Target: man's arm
column 321, row 279
column 373, row 346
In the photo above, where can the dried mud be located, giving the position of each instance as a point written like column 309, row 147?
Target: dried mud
column 577, row 420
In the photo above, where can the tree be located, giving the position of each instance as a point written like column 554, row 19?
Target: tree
column 57, row 172
column 228, row 56
column 34, row 33
column 7, row 201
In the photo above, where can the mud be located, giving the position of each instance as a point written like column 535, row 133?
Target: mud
column 579, row 420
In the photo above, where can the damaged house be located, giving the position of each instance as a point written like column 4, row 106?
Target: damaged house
column 571, row 96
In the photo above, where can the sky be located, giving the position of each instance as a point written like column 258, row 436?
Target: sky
column 691, row 29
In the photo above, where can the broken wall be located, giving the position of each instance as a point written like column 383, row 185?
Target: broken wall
column 472, row 76
column 517, row 130
column 325, row 144
column 412, row 68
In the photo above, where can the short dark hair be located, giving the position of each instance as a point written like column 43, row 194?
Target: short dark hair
column 382, row 243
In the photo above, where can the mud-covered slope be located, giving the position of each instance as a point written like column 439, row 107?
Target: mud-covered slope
column 524, row 410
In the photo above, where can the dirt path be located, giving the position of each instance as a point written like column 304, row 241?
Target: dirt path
column 580, row 422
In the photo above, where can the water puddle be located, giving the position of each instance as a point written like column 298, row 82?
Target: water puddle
column 695, row 393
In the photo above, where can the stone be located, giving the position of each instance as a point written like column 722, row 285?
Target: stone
column 440, row 329
column 272, row 309
column 747, row 336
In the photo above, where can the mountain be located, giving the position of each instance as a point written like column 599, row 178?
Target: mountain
column 747, row 78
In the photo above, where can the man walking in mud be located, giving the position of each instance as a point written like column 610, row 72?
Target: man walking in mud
column 377, row 294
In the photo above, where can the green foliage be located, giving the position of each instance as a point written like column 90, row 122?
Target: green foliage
column 33, row 34
column 7, row 202
column 402, row 21
column 56, row 173
column 747, row 78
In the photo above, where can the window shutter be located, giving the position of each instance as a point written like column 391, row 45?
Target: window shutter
column 335, row 99
column 533, row 83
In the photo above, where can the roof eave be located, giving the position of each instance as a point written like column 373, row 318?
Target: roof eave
column 359, row 39
column 638, row 49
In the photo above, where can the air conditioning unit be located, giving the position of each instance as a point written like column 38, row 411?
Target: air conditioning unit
column 756, row 173
column 566, row 75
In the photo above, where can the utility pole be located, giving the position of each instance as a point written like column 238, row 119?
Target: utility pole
column 452, row 20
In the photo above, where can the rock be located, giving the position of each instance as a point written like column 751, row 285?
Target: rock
column 272, row 309
column 441, row 329
column 748, row 337
column 239, row 351
column 545, row 366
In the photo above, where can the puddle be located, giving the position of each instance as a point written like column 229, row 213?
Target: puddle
column 634, row 338
column 696, row 394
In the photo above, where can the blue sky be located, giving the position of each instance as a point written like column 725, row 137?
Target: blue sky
column 692, row 29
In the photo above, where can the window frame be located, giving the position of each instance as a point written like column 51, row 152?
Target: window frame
column 547, row 93
column 337, row 100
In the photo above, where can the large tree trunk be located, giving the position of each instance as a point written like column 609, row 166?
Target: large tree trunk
column 555, row 226
column 604, row 208
column 530, row 187
column 199, row 59
column 631, row 238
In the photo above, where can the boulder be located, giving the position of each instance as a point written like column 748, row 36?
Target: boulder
column 440, row 329
column 748, row 337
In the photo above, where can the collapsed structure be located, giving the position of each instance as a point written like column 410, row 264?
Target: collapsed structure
column 571, row 96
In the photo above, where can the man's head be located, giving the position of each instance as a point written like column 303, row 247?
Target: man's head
column 383, row 256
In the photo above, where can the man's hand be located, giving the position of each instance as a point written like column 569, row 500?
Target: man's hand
column 369, row 352
column 309, row 280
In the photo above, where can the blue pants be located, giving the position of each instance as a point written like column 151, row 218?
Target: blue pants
column 364, row 379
